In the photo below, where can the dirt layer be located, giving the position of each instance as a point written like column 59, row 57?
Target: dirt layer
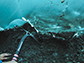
column 53, row 48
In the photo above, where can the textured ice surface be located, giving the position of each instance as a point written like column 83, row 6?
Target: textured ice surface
column 8, row 11
column 50, row 12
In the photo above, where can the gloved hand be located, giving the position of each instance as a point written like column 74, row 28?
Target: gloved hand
column 3, row 56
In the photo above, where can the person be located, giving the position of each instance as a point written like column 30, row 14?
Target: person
column 4, row 57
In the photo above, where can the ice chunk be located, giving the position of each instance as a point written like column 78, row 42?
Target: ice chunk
column 16, row 22
column 1, row 29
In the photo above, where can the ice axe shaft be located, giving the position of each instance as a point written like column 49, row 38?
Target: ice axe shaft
column 19, row 47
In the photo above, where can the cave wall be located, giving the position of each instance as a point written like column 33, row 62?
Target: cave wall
column 45, row 9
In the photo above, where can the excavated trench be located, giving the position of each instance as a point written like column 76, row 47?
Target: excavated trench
column 53, row 48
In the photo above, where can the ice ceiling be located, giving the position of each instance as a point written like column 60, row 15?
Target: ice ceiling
column 48, row 11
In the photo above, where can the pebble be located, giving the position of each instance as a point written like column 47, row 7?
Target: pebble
column 55, row 54
column 40, row 60
column 53, row 61
column 66, row 55
column 69, row 62
column 62, row 1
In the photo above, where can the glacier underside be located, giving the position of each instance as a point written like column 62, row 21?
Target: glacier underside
column 48, row 12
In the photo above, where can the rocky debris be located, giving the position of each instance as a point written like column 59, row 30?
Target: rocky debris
column 54, row 47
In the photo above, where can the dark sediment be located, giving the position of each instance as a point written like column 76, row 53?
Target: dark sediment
column 53, row 47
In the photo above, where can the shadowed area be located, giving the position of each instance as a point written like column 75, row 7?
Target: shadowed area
column 53, row 47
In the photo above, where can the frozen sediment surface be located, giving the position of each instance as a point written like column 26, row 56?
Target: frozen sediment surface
column 56, row 16
column 69, row 10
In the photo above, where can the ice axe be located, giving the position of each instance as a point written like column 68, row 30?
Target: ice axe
column 20, row 44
